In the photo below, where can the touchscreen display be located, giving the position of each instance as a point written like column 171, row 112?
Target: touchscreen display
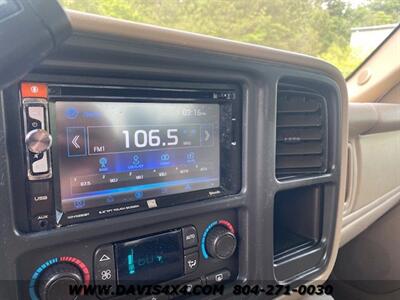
column 114, row 152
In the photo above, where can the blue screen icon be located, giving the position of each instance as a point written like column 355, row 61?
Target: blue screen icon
column 79, row 203
column 165, row 157
column 71, row 113
column 103, row 162
column 139, row 195
column 135, row 160
column 190, row 157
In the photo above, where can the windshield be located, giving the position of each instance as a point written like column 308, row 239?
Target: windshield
column 343, row 32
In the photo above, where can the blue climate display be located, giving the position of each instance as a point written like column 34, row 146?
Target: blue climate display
column 150, row 260
column 112, row 153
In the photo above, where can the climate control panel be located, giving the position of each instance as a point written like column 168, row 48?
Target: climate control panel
column 200, row 252
column 163, row 257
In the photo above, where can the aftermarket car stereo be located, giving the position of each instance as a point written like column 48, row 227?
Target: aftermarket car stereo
column 99, row 151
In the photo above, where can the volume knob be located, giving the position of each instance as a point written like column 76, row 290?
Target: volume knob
column 38, row 140
column 220, row 242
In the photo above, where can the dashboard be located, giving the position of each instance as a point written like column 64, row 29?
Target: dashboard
column 141, row 155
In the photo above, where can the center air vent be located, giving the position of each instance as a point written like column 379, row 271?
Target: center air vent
column 301, row 132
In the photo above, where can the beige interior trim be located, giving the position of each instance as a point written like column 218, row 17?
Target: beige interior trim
column 361, row 219
column 354, row 216
column 367, row 118
column 393, row 96
column 362, row 117
column 113, row 28
column 106, row 26
column 384, row 69
column 378, row 167
column 375, row 182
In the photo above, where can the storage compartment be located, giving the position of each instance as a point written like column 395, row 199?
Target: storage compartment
column 297, row 219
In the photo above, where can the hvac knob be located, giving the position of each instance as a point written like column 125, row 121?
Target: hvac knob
column 220, row 242
column 56, row 280
column 38, row 140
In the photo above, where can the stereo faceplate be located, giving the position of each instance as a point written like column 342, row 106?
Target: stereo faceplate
column 118, row 150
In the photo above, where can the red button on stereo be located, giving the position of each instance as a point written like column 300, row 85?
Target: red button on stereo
column 33, row 90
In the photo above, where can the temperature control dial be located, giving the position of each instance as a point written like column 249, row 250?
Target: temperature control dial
column 220, row 242
column 55, row 281
column 52, row 279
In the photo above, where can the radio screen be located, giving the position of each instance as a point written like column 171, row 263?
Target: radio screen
column 114, row 152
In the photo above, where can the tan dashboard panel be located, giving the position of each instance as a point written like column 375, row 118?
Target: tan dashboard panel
column 84, row 22
column 378, row 166
column 362, row 117
column 393, row 96
column 368, row 118
column 374, row 186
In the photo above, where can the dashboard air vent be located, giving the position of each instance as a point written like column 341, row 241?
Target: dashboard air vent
column 301, row 132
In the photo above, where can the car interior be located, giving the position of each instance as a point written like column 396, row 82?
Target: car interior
column 136, row 155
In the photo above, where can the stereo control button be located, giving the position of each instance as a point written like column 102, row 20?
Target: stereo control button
column 40, row 222
column 76, row 141
column 41, row 197
column 218, row 277
column 206, row 135
column 191, row 262
column 104, row 267
column 39, row 163
column 189, row 236
column 33, row 90
column 36, row 112
column 33, row 124
column 35, row 119
column 38, row 140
